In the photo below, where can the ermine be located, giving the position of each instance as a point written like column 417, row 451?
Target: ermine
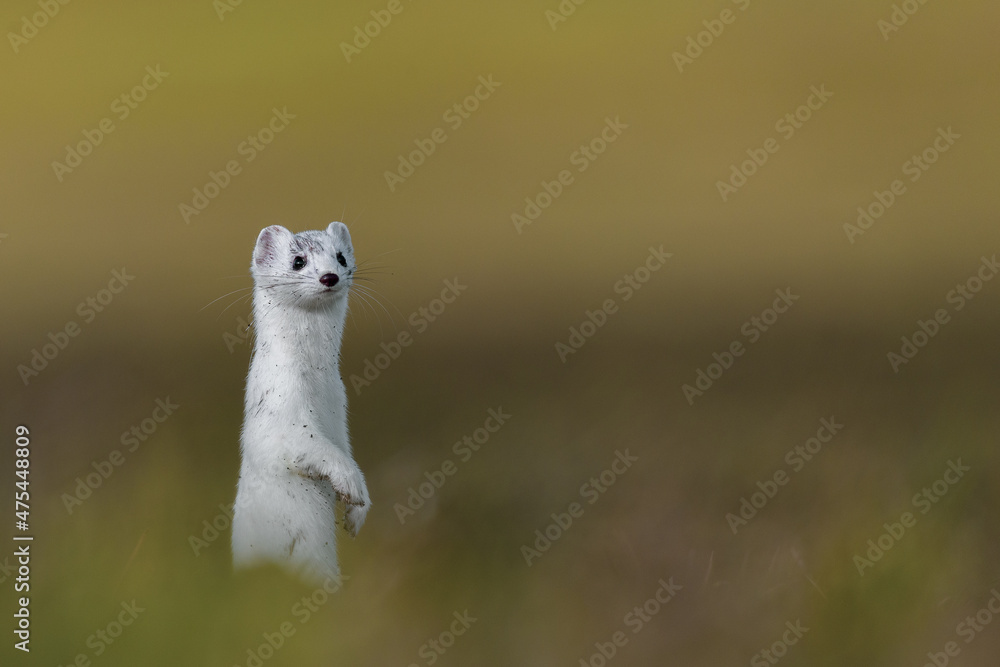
column 296, row 458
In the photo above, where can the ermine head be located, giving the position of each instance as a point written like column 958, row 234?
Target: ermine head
column 309, row 269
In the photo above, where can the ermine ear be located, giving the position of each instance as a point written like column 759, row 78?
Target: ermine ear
column 272, row 243
column 338, row 231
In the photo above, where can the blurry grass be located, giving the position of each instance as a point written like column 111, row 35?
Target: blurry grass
column 663, row 518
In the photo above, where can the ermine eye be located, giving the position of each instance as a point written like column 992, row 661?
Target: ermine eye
column 298, row 263
column 340, row 258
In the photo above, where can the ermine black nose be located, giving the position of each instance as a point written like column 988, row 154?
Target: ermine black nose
column 329, row 279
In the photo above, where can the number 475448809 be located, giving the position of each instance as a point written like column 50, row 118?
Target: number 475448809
column 23, row 464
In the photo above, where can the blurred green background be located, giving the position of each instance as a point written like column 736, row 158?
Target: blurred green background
column 167, row 335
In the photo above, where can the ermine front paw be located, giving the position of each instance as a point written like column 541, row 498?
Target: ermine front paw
column 352, row 490
column 354, row 518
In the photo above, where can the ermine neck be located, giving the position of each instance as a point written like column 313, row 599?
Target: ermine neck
column 297, row 351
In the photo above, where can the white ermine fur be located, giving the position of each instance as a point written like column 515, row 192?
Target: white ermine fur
column 296, row 455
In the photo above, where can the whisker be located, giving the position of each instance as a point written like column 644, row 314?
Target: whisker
column 223, row 297
column 243, row 298
column 367, row 306
column 371, row 291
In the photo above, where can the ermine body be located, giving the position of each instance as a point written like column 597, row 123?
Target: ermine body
column 296, row 458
